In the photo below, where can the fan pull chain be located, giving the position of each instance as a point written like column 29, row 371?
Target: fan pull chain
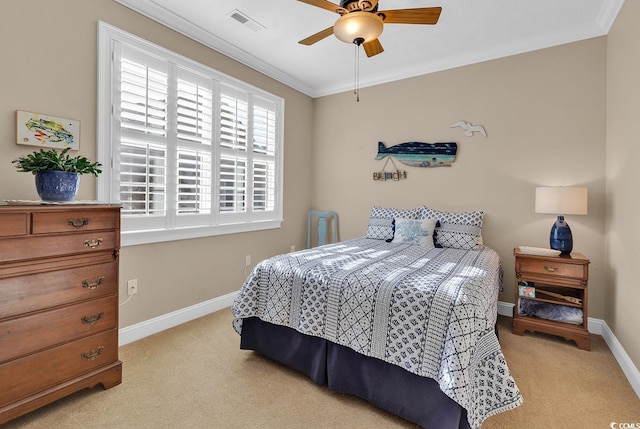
column 356, row 78
column 355, row 73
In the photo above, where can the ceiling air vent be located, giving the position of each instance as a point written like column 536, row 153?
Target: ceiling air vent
column 246, row 21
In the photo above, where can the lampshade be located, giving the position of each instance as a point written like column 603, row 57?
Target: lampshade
column 562, row 200
column 358, row 25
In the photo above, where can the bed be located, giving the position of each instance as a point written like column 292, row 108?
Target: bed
column 398, row 317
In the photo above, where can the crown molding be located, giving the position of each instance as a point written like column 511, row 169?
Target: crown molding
column 601, row 27
column 608, row 14
column 514, row 47
column 161, row 15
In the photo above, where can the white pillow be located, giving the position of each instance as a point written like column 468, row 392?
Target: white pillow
column 416, row 231
column 392, row 212
column 380, row 228
column 457, row 230
column 466, row 237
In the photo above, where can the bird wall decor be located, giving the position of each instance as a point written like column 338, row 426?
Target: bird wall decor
column 469, row 129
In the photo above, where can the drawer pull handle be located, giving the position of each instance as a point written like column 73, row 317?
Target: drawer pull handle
column 78, row 222
column 93, row 354
column 551, row 269
column 92, row 285
column 91, row 320
column 93, row 243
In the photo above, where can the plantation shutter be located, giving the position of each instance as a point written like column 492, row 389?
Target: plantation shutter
column 234, row 155
column 143, row 117
column 194, row 119
column 264, row 158
column 193, row 152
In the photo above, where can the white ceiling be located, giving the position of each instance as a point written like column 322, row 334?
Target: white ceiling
column 469, row 31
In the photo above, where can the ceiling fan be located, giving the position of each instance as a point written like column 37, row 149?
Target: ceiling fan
column 361, row 22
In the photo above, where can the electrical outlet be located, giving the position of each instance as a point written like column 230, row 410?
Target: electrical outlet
column 247, row 260
column 132, row 287
column 293, row 248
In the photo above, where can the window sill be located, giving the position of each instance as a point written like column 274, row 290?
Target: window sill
column 134, row 238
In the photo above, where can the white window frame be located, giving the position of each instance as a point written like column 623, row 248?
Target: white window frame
column 135, row 230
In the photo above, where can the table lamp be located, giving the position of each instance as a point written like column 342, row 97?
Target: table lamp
column 561, row 201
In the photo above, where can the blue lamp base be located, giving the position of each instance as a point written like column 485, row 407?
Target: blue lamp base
column 561, row 238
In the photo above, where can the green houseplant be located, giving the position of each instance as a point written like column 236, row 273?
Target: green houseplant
column 57, row 173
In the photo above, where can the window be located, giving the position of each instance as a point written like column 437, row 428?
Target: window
column 188, row 151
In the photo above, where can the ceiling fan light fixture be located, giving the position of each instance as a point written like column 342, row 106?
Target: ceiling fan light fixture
column 358, row 25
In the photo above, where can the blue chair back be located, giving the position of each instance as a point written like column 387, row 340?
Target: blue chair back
column 322, row 220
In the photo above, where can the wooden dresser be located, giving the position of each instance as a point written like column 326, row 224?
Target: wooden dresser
column 561, row 281
column 58, row 303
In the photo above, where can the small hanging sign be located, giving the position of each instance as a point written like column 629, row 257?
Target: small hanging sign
column 389, row 175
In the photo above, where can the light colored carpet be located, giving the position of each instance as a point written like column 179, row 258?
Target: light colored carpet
column 194, row 376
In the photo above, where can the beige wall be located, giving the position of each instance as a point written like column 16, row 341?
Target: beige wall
column 544, row 113
column 623, row 176
column 547, row 113
column 49, row 66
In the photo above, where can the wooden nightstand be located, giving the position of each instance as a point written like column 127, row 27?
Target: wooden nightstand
column 565, row 275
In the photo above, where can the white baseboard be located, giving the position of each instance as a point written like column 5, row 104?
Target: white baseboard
column 153, row 326
column 505, row 309
column 598, row 327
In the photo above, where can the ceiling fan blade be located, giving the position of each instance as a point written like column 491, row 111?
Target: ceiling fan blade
column 373, row 47
column 423, row 15
column 327, row 5
column 317, row 37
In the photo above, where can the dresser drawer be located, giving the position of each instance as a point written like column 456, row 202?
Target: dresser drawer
column 39, row 331
column 15, row 249
column 552, row 268
column 74, row 221
column 34, row 292
column 39, row 371
column 12, row 224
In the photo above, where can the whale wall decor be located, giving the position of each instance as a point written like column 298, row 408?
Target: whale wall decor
column 417, row 154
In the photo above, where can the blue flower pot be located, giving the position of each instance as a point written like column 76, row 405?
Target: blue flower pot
column 57, row 185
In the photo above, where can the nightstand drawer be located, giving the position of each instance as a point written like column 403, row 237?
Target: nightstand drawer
column 552, row 268
column 75, row 221
column 25, row 335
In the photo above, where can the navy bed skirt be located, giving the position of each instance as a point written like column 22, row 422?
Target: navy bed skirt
column 391, row 388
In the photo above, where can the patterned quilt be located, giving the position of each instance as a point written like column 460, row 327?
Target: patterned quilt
column 429, row 311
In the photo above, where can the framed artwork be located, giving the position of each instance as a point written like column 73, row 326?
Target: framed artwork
column 35, row 129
